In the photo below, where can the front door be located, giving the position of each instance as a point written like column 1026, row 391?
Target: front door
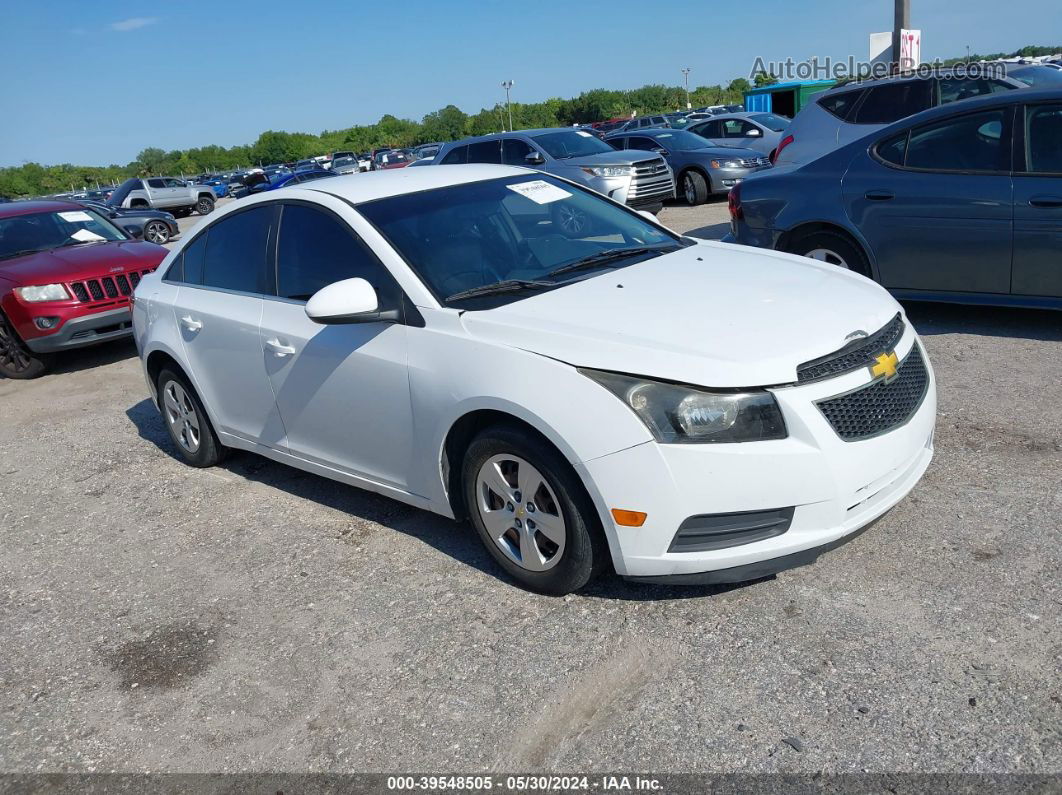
column 934, row 204
column 1038, row 205
column 342, row 390
column 223, row 274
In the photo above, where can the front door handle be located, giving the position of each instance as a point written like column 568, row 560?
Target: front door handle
column 191, row 323
column 879, row 195
column 1046, row 201
column 279, row 349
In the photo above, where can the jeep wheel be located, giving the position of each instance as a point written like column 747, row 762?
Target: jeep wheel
column 16, row 360
column 205, row 205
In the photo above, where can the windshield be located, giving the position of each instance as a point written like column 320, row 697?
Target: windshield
column 571, row 143
column 344, row 161
column 388, row 158
column 681, row 140
column 771, row 121
column 514, row 230
column 1037, row 75
column 25, row 234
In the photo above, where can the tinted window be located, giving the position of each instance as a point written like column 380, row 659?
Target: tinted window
column 892, row 150
column 485, row 152
column 977, row 142
column 156, row 183
column 189, row 266
column 571, row 143
column 841, row 105
column 1043, row 139
column 174, row 183
column 458, row 154
column 953, row 89
column 316, row 250
column 709, row 129
column 616, row 143
column 892, row 101
column 771, row 121
column 515, row 152
column 640, row 142
column 236, row 251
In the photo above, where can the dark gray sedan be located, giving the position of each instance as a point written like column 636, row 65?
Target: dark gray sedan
column 156, row 226
column 959, row 203
column 701, row 167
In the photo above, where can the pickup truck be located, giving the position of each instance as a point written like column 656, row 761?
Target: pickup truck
column 164, row 193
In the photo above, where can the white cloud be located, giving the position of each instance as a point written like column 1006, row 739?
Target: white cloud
column 133, row 23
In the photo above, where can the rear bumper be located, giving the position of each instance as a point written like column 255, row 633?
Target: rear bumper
column 86, row 330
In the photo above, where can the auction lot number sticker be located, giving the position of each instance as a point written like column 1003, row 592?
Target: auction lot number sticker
column 517, row 783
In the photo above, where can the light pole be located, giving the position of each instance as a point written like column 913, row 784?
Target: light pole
column 507, row 85
column 686, row 77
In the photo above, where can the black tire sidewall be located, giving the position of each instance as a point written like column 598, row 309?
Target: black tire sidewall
column 210, row 451
column 852, row 254
column 208, row 203
column 39, row 362
column 700, row 188
column 585, row 549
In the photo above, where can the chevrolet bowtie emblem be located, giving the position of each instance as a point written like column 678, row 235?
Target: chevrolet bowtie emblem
column 885, row 366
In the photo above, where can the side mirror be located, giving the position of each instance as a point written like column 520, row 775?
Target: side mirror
column 660, row 150
column 534, row 158
column 134, row 231
column 348, row 301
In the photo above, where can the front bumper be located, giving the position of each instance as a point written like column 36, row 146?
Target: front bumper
column 85, row 330
column 835, row 487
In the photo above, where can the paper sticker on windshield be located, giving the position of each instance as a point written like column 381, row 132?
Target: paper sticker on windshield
column 73, row 216
column 84, row 235
column 539, row 191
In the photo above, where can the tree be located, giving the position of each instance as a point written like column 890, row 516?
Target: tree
column 445, row 124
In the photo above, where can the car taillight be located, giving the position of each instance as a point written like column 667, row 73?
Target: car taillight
column 733, row 203
column 782, row 145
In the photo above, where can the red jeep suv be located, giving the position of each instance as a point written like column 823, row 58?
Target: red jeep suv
column 67, row 276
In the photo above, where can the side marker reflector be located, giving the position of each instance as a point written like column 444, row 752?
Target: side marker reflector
column 629, row 518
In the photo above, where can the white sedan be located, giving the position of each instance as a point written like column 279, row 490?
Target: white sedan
column 589, row 388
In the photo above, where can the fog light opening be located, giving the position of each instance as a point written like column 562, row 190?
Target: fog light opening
column 46, row 323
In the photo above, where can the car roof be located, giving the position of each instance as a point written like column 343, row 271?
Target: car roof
column 495, row 136
column 13, row 209
column 877, row 81
column 383, row 184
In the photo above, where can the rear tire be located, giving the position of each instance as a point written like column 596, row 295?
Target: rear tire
column 694, row 188
column 548, row 538
column 831, row 248
column 16, row 359
column 204, row 205
column 187, row 422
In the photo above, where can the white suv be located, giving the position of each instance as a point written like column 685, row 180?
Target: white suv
column 684, row 411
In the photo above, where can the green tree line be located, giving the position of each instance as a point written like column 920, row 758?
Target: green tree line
column 445, row 124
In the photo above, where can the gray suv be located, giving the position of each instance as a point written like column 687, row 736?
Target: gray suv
column 638, row 179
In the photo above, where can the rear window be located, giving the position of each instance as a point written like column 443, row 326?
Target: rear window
column 456, row 156
column 841, row 105
column 887, row 103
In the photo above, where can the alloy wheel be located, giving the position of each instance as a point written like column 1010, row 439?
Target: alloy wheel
column 521, row 512
column 689, row 189
column 181, row 416
column 827, row 256
column 13, row 356
column 156, row 232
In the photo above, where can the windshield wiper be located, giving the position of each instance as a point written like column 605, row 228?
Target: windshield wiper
column 607, row 256
column 506, row 286
column 14, row 254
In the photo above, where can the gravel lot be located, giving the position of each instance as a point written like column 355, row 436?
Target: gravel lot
column 252, row 617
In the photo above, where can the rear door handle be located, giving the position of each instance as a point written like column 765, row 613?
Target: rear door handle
column 279, row 349
column 879, row 195
column 1046, row 201
column 191, row 323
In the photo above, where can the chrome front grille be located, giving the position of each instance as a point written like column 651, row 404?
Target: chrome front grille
column 755, row 162
column 652, row 181
column 111, row 289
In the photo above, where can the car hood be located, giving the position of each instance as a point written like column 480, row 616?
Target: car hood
column 711, row 314
column 617, row 158
column 82, row 262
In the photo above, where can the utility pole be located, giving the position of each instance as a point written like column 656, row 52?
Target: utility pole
column 901, row 21
column 686, row 77
column 507, row 85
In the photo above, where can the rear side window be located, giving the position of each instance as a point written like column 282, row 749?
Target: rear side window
column 953, row 89
column 236, row 252
column 893, row 101
column 840, row 105
column 188, row 267
column 974, row 142
column 893, row 150
column 316, row 250
column 485, row 152
column 457, row 155
column 1043, row 139
column 156, row 183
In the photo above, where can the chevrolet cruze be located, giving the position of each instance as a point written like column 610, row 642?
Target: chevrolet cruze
column 613, row 396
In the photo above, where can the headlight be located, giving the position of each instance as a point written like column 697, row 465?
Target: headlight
column 684, row 414
column 608, row 171
column 726, row 164
column 44, row 292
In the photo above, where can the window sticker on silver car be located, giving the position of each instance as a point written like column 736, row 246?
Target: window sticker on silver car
column 540, row 191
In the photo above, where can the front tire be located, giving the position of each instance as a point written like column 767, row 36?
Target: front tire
column 694, row 188
column 205, row 205
column 16, row 359
column 531, row 511
column 156, row 232
column 187, row 423
column 833, row 249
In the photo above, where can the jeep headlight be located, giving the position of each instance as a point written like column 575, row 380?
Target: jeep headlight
column 43, row 292
column 677, row 414
column 608, row 171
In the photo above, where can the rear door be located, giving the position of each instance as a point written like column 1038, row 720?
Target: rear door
column 1038, row 202
column 156, row 191
column 934, row 203
column 342, row 390
column 223, row 274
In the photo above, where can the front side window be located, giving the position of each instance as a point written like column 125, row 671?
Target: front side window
column 315, row 249
column 174, row 183
column 643, row 143
column 891, row 102
column 680, row 141
column 236, row 251
column 567, row 144
column 515, row 152
column 1043, row 139
column 512, row 237
column 974, row 142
